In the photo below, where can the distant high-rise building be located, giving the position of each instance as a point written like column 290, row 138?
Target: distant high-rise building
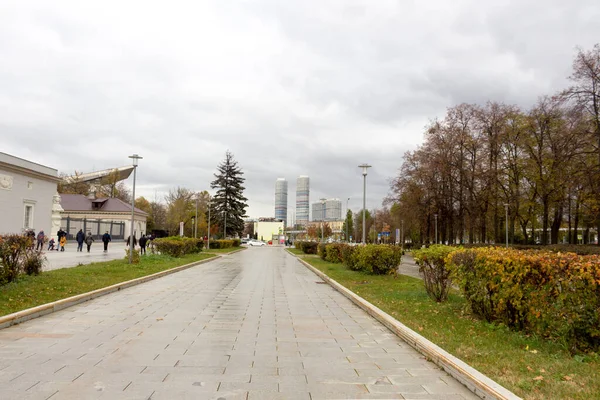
column 330, row 210
column 302, row 199
column 281, row 194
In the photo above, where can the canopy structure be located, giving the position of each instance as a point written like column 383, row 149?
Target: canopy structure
column 96, row 177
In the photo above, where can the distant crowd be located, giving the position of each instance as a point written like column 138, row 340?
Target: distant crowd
column 38, row 241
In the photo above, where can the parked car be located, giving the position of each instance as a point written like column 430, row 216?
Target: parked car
column 256, row 243
column 245, row 241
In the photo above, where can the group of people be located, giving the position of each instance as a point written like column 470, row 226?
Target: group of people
column 144, row 240
column 81, row 238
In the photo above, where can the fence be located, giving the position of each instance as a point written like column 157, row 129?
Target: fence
column 96, row 226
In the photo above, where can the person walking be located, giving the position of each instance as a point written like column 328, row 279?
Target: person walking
column 105, row 239
column 63, row 242
column 80, row 238
column 59, row 236
column 89, row 239
column 134, row 241
column 143, row 241
column 40, row 240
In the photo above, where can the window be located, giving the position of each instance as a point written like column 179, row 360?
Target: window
column 28, row 220
column 29, row 185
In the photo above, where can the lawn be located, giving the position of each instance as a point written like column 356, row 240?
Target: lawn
column 531, row 367
column 31, row 291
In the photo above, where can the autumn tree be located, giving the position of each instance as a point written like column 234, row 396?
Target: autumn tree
column 73, row 184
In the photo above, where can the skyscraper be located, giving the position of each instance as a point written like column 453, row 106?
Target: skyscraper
column 302, row 199
column 281, row 194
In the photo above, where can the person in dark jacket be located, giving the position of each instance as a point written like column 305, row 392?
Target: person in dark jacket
column 134, row 241
column 59, row 236
column 105, row 239
column 80, row 238
column 143, row 241
column 89, row 239
column 40, row 240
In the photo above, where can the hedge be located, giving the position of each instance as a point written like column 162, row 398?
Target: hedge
column 321, row 250
column 553, row 295
column 222, row 244
column 378, row 259
column 176, row 246
column 436, row 276
column 307, row 247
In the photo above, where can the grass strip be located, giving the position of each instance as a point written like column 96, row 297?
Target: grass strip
column 31, row 291
column 529, row 366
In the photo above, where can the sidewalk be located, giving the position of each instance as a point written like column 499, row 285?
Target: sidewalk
column 72, row 258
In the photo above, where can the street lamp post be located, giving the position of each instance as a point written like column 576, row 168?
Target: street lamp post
column 134, row 161
column 506, row 225
column 194, row 225
column 323, row 220
column 208, row 228
column 435, row 216
column 364, row 216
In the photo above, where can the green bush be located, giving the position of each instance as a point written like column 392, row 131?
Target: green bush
column 221, row 244
column 348, row 257
column 135, row 259
column 307, row 247
column 17, row 257
column 432, row 264
column 333, row 252
column 553, row 295
column 176, row 246
column 237, row 242
column 321, row 251
column 378, row 259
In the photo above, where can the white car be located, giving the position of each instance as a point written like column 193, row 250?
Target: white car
column 256, row 243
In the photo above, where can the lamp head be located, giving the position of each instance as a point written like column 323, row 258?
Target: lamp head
column 364, row 168
column 134, row 159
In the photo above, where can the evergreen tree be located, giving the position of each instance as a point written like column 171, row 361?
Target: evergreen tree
column 228, row 206
column 348, row 226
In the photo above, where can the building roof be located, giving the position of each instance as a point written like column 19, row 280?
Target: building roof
column 28, row 166
column 79, row 202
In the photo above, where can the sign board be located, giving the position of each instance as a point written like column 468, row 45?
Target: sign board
column 397, row 235
column 181, row 229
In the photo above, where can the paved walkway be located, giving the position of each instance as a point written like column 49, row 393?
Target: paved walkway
column 71, row 257
column 409, row 267
column 251, row 325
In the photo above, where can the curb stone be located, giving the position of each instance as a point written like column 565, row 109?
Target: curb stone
column 44, row 309
column 474, row 380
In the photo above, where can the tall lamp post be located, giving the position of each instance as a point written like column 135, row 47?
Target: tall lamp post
column 323, row 220
column 435, row 216
column 506, row 225
column 134, row 161
column 402, row 234
column 364, row 219
column 208, row 227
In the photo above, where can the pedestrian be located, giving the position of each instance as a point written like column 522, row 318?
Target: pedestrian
column 63, row 242
column 134, row 241
column 59, row 236
column 89, row 239
column 40, row 240
column 105, row 239
column 51, row 244
column 80, row 238
column 31, row 236
column 143, row 241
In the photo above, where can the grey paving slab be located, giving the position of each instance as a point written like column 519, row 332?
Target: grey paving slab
column 252, row 325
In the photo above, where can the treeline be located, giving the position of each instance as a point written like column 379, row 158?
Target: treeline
column 541, row 166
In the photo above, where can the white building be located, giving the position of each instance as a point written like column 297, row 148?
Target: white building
column 26, row 195
column 329, row 210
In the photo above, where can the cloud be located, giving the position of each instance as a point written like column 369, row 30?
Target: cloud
column 295, row 87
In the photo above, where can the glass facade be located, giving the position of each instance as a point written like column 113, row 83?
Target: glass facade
column 302, row 200
column 281, row 194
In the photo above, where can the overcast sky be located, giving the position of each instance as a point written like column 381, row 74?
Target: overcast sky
column 294, row 87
